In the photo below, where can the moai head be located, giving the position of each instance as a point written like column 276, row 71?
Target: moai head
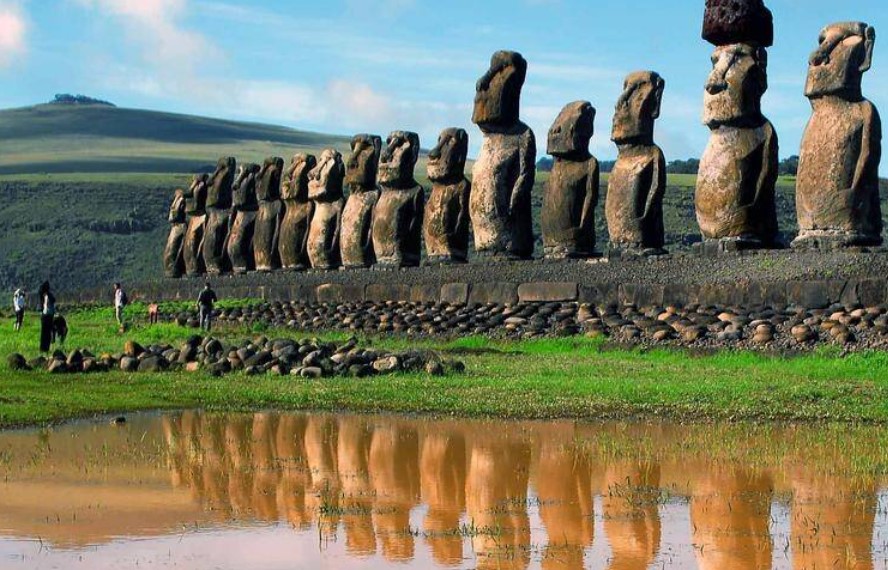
column 177, row 207
column 221, row 182
column 637, row 108
column 572, row 130
column 326, row 178
column 844, row 55
column 196, row 197
column 294, row 185
column 399, row 159
column 728, row 22
column 498, row 93
column 270, row 179
column 245, row 186
column 735, row 87
column 363, row 162
column 447, row 161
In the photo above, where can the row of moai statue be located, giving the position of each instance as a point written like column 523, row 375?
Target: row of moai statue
column 308, row 223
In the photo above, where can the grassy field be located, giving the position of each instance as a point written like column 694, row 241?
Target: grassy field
column 576, row 378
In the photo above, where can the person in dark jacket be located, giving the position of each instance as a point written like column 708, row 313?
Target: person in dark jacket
column 206, row 302
column 47, row 316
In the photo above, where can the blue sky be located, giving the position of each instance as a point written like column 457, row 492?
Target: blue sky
column 351, row 66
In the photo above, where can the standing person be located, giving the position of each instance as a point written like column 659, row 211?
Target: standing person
column 153, row 314
column 120, row 303
column 18, row 306
column 206, row 302
column 47, row 316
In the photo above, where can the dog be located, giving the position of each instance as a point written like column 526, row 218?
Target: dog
column 59, row 329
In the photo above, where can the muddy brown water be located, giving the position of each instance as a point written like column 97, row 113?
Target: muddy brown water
column 292, row 491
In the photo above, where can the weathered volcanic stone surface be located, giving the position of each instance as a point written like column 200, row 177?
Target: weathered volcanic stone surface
column 571, row 194
column 738, row 21
column 837, row 193
column 356, row 241
column 398, row 215
column 173, row 263
column 268, row 218
column 219, row 196
column 293, row 241
column 325, row 191
column 446, row 226
column 195, row 209
column 244, row 211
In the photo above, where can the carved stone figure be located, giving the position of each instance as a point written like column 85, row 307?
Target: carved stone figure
column 728, row 22
column 503, row 175
column 356, row 243
column 735, row 198
column 219, row 189
column 243, row 222
column 837, row 193
column 397, row 218
column 637, row 183
column 325, row 191
column 571, row 195
column 173, row 263
column 297, row 213
column 271, row 211
column 195, row 209
column 446, row 226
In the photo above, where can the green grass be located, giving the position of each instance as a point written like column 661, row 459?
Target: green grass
column 576, row 378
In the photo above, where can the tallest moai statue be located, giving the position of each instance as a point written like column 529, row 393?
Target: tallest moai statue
column 735, row 198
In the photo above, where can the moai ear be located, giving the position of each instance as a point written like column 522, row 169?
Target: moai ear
column 869, row 36
column 659, row 87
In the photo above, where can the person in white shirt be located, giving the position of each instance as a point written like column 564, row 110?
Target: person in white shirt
column 18, row 306
column 120, row 303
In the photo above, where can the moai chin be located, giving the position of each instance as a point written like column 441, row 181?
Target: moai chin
column 196, row 211
column 356, row 241
column 446, row 225
column 293, row 242
column 634, row 206
column 571, row 195
column 503, row 175
column 219, row 190
column 325, row 191
column 173, row 264
column 398, row 216
column 268, row 220
column 837, row 189
column 244, row 210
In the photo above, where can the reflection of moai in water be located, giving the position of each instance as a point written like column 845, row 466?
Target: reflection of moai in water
column 268, row 220
column 837, row 193
column 503, row 175
column 571, row 195
column 446, row 225
column 325, row 192
column 173, row 264
column 735, row 197
column 243, row 222
column 637, row 183
column 219, row 189
column 356, row 241
column 397, row 218
column 196, row 210
column 293, row 240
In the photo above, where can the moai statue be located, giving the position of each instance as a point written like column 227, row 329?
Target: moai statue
column 637, row 183
column 736, row 184
column 446, row 226
column 571, row 196
column 503, row 175
column 173, row 263
column 356, row 243
column 297, row 213
column 837, row 190
column 397, row 218
column 219, row 189
column 325, row 191
column 271, row 210
column 196, row 210
column 243, row 222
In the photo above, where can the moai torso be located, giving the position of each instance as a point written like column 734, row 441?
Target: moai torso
column 571, row 194
column 634, row 207
column 325, row 192
column 398, row 216
column 297, row 213
column 503, row 175
column 268, row 219
column 243, row 223
column 356, row 241
column 446, row 225
column 219, row 189
column 173, row 262
column 837, row 189
column 195, row 210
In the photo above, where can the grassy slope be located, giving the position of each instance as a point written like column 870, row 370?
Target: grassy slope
column 538, row 379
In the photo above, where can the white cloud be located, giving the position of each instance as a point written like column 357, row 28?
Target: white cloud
column 13, row 33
